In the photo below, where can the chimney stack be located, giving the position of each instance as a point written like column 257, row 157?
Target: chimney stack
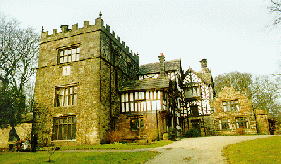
column 162, row 65
column 203, row 63
column 204, row 67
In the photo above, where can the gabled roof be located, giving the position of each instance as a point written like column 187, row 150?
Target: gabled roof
column 205, row 77
column 155, row 67
column 145, row 84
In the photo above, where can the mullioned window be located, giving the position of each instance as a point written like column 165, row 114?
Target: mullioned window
column 65, row 96
column 64, row 128
column 232, row 105
column 68, row 55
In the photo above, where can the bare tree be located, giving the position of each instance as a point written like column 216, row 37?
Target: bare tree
column 18, row 59
column 275, row 9
column 239, row 81
column 266, row 94
column 262, row 89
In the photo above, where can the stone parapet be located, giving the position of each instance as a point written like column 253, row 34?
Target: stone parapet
column 75, row 31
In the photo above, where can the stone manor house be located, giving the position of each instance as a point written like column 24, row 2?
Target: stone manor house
column 88, row 84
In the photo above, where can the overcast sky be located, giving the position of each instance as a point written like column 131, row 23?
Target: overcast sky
column 231, row 34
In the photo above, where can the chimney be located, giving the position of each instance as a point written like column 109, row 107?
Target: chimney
column 162, row 65
column 203, row 63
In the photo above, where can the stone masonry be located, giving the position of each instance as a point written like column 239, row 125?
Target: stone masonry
column 233, row 113
column 101, row 65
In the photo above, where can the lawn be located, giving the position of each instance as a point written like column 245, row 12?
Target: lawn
column 264, row 150
column 76, row 157
column 86, row 157
column 119, row 146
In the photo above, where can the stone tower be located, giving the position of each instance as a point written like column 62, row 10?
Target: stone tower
column 76, row 91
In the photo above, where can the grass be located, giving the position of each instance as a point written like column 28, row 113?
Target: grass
column 263, row 150
column 76, row 157
column 119, row 146
column 87, row 157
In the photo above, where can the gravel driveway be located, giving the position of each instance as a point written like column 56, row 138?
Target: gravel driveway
column 198, row 150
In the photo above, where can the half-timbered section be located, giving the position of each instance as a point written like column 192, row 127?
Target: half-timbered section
column 143, row 103
column 197, row 89
column 198, row 93
column 141, row 100
column 149, row 106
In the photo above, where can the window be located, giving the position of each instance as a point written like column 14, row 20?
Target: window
column 136, row 123
column 64, row 128
column 66, row 96
column 225, row 106
column 140, row 101
column 232, row 105
column 194, row 110
column 192, row 92
column 216, row 124
column 196, row 91
column 225, row 123
column 69, row 55
column 242, row 122
column 236, row 105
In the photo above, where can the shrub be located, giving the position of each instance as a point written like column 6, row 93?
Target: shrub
column 240, row 131
column 172, row 133
column 193, row 133
column 114, row 136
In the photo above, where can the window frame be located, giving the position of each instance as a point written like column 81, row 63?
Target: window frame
column 65, row 96
column 140, row 101
column 242, row 122
column 225, row 124
column 230, row 105
column 68, row 55
column 64, row 124
column 136, row 123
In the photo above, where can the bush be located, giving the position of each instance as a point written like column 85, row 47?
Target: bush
column 114, row 136
column 193, row 133
column 240, row 131
column 172, row 134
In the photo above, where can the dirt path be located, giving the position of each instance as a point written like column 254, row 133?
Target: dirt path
column 198, row 150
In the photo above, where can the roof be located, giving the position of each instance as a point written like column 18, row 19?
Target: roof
column 205, row 77
column 155, row 67
column 145, row 84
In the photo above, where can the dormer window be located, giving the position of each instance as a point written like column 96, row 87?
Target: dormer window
column 69, row 55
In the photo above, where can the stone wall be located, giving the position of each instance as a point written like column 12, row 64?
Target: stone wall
column 148, row 132
column 84, row 74
column 262, row 121
column 23, row 131
column 97, row 75
column 245, row 111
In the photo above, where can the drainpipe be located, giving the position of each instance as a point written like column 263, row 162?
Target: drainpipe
column 157, row 124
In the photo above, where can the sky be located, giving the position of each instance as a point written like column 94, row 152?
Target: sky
column 233, row 35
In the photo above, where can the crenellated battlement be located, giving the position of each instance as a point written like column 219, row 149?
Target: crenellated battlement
column 66, row 32
column 74, row 31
